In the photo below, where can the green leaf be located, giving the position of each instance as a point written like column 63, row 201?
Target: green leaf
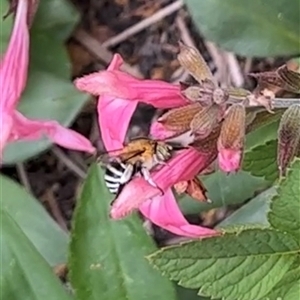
column 253, row 212
column 37, row 225
column 224, row 190
column 261, row 161
column 288, row 286
column 264, row 133
column 188, row 294
column 49, row 93
column 285, row 207
column 24, row 273
column 250, row 28
column 245, row 265
column 107, row 257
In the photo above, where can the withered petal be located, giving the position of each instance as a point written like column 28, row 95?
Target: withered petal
column 178, row 119
column 191, row 59
column 290, row 79
column 204, row 121
column 288, row 137
column 233, row 128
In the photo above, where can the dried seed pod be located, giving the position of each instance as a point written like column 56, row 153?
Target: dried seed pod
column 237, row 95
column 179, row 119
column 208, row 144
column 267, row 78
column 233, row 127
column 192, row 93
column 204, row 121
column 231, row 139
column 290, row 79
column 288, row 137
column 191, row 59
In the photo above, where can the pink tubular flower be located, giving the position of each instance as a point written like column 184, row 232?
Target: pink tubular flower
column 229, row 160
column 163, row 209
column 13, row 74
column 120, row 94
column 231, row 139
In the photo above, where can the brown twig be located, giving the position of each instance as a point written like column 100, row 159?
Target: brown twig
column 188, row 40
column 23, row 177
column 100, row 52
column 248, row 65
column 162, row 13
column 217, row 58
column 234, row 69
column 68, row 162
column 55, row 210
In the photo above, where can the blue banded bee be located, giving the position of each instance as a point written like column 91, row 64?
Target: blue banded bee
column 138, row 156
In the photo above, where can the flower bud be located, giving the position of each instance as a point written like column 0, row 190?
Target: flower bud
column 288, row 137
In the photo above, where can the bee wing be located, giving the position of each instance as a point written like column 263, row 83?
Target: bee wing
column 121, row 155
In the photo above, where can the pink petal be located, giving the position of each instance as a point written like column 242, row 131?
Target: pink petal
column 229, row 160
column 116, row 62
column 158, row 131
column 164, row 212
column 114, row 116
column 13, row 67
column 123, row 206
column 27, row 129
column 118, row 84
column 184, row 166
column 6, row 124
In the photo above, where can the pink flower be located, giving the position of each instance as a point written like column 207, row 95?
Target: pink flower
column 182, row 167
column 163, row 210
column 13, row 74
column 229, row 160
column 120, row 94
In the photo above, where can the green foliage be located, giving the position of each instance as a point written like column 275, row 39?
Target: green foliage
column 250, row 28
column 24, row 273
column 261, row 150
column 107, row 257
column 257, row 263
column 49, row 93
column 253, row 212
column 285, row 208
column 42, row 231
column 261, row 161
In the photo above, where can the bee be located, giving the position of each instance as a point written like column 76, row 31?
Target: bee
column 139, row 156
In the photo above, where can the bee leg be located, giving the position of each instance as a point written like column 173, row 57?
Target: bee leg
column 146, row 174
column 127, row 174
column 159, row 162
